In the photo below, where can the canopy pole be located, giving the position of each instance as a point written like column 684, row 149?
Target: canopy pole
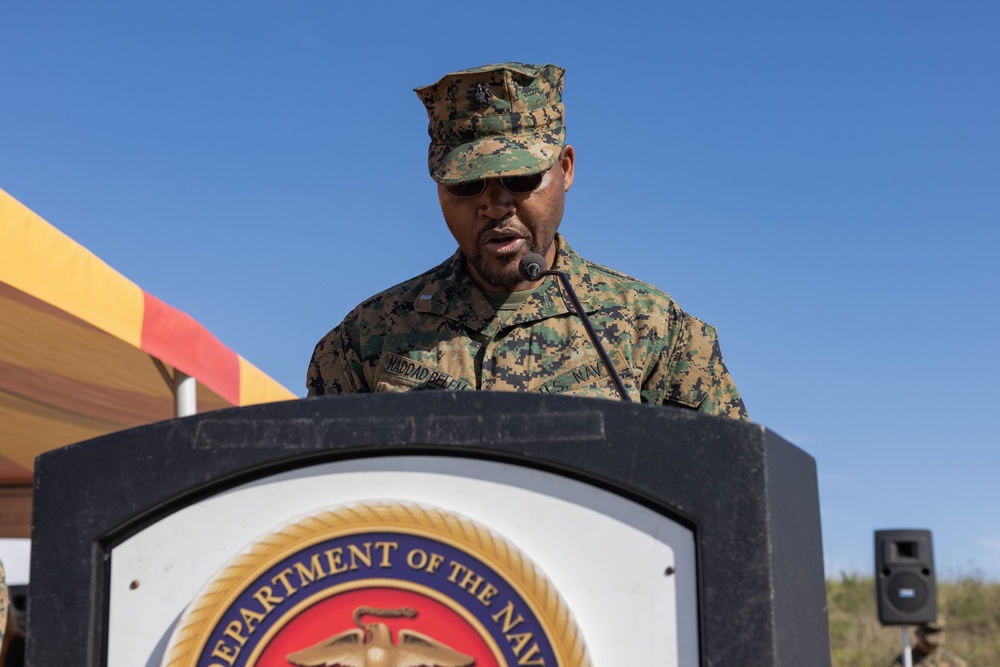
column 185, row 394
column 184, row 388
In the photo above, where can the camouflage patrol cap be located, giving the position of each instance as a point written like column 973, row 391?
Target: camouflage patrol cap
column 495, row 120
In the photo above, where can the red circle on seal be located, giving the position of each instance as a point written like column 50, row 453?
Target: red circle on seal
column 333, row 615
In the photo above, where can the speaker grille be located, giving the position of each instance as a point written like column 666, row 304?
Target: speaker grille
column 907, row 592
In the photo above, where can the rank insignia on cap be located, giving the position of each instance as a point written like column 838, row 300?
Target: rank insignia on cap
column 480, row 95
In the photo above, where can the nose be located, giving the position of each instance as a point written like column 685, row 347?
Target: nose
column 496, row 202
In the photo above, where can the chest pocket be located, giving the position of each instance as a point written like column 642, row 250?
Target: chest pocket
column 590, row 378
column 399, row 373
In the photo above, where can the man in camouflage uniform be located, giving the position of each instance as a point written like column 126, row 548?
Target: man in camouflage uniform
column 928, row 651
column 499, row 157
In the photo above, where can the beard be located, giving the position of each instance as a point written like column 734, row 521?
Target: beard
column 507, row 274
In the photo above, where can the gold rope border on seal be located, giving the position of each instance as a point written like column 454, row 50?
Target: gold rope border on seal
column 502, row 556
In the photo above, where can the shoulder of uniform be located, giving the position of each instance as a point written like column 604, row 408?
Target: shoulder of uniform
column 370, row 315
column 403, row 294
column 600, row 268
column 606, row 279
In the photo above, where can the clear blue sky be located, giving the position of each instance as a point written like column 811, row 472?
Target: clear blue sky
column 821, row 181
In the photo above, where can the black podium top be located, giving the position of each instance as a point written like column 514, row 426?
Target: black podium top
column 749, row 497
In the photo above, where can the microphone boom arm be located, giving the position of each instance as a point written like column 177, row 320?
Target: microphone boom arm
column 564, row 278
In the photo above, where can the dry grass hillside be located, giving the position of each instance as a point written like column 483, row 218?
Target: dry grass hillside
column 972, row 607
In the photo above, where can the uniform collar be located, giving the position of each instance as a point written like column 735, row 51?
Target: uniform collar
column 450, row 292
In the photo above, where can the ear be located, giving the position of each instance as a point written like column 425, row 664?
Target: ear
column 566, row 160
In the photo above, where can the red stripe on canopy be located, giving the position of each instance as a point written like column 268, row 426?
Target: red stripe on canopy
column 178, row 340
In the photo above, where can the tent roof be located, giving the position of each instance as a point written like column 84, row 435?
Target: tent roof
column 77, row 348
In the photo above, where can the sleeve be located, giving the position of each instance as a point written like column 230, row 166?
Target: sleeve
column 335, row 367
column 690, row 373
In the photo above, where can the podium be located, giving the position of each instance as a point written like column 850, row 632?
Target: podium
column 553, row 530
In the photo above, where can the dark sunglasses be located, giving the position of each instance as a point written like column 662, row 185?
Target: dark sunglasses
column 515, row 184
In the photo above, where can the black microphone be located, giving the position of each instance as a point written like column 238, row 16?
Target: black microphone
column 532, row 268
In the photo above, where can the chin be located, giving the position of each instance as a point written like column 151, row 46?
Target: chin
column 504, row 276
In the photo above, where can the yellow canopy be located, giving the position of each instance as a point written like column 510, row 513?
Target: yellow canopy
column 79, row 345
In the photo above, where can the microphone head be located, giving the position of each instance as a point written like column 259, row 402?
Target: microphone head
column 532, row 265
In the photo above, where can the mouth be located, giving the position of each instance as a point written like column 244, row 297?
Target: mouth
column 502, row 242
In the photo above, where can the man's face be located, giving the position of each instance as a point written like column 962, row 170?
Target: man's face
column 928, row 645
column 496, row 228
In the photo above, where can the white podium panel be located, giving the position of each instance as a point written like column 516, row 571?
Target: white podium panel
column 627, row 574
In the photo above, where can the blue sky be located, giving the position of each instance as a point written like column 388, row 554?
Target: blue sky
column 818, row 180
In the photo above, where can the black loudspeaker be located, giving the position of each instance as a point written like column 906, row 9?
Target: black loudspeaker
column 905, row 585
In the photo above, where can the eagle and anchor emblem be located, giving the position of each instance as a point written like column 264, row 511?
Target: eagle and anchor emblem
column 397, row 584
column 371, row 646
